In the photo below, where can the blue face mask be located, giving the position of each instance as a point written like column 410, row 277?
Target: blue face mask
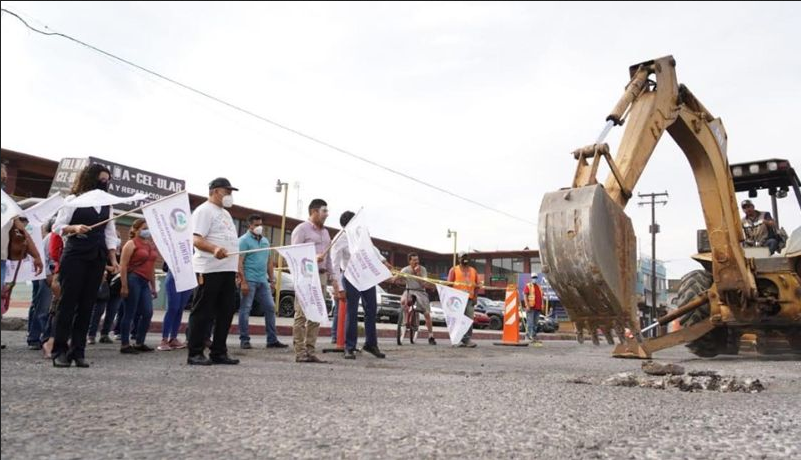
column 144, row 234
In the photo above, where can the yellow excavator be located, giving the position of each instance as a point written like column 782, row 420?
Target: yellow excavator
column 588, row 245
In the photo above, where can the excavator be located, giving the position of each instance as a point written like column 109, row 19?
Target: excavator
column 588, row 245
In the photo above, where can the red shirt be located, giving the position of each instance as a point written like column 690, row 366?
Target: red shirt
column 55, row 250
column 537, row 304
column 143, row 259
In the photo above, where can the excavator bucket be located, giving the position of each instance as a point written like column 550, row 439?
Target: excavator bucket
column 588, row 252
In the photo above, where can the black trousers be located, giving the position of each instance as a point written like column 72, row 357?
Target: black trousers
column 213, row 303
column 80, row 280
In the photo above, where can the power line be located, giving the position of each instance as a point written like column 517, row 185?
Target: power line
column 267, row 120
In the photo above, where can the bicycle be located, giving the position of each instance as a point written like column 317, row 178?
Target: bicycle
column 409, row 319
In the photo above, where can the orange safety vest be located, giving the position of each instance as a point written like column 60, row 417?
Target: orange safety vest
column 466, row 281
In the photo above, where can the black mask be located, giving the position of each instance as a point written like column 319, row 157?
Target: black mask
column 102, row 185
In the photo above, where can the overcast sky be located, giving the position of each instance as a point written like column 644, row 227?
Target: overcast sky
column 483, row 99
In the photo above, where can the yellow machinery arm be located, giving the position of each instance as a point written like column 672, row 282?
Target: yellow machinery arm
column 587, row 242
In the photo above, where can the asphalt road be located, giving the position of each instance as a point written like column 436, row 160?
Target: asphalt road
column 421, row 402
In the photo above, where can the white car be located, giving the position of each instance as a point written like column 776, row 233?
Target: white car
column 437, row 315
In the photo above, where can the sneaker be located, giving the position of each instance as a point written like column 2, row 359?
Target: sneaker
column 164, row 345
column 314, row 359
column 277, row 345
column 469, row 344
column 432, row 341
column 349, row 354
column 177, row 344
column 117, row 337
column 105, row 339
column 90, row 341
column 142, row 347
column 245, row 346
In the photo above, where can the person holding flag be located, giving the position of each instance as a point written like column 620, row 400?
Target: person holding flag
column 465, row 278
column 90, row 243
column 342, row 259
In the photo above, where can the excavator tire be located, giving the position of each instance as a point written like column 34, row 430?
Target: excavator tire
column 717, row 340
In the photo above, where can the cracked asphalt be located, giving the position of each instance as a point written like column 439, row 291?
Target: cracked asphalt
column 421, row 402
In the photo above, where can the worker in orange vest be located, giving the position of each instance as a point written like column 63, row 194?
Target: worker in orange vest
column 532, row 297
column 465, row 278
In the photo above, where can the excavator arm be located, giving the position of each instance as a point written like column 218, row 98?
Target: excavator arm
column 587, row 243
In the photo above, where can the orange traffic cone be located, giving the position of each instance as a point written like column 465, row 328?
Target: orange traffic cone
column 341, row 312
column 511, row 320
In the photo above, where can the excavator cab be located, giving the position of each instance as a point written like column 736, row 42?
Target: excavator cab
column 587, row 243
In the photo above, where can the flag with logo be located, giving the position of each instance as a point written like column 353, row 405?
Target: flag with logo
column 10, row 209
column 365, row 269
column 453, row 303
column 171, row 229
column 302, row 262
column 100, row 198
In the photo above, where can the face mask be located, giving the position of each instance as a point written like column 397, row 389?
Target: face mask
column 102, row 185
column 258, row 230
column 144, row 234
column 464, row 261
column 228, row 201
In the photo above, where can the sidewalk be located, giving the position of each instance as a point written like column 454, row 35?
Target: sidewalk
column 19, row 310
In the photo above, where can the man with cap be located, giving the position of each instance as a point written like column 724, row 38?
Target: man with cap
column 214, row 299
column 465, row 278
column 532, row 299
column 760, row 228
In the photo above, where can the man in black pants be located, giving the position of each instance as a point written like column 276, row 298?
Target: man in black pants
column 214, row 299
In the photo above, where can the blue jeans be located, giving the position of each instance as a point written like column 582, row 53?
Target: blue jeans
column 138, row 304
column 107, row 309
column 258, row 290
column 532, row 317
column 3, row 272
column 370, row 305
column 39, row 312
column 176, row 302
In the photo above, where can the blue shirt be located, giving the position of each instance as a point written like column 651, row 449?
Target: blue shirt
column 255, row 262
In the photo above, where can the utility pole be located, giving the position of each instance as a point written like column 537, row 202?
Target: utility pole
column 653, row 229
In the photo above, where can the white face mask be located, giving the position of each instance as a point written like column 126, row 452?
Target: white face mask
column 258, row 230
column 228, row 201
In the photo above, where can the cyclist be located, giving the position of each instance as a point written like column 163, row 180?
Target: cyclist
column 417, row 288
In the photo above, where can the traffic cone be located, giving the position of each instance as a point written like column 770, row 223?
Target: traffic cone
column 511, row 320
column 341, row 313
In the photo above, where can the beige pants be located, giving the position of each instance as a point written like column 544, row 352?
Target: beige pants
column 304, row 332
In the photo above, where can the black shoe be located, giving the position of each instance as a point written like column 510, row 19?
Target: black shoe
column 432, row 341
column 349, row 354
column 129, row 350
column 34, row 346
column 373, row 350
column 105, row 339
column 81, row 362
column 62, row 361
column 277, row 345
column 142, row 348
column 224, row 359
column 245, row 346
column 198, row 360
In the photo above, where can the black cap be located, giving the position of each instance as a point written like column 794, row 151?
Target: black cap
column 222, row 182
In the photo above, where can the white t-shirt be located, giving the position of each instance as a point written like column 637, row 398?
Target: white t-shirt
column 215, row 225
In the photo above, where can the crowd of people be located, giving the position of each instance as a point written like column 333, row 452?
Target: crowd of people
column 95, row 284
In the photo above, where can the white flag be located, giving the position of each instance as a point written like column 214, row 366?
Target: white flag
column 302, row 262
column 453, row 303
column 365, row 268
column 100, row 198
column 10, row 209
column 171, row 229
column 40, row 213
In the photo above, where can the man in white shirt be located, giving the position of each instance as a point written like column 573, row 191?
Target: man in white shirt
column 341, row 259
column 214, row 299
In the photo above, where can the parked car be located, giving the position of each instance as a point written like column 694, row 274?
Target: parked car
column 286, row 303
column 492, row 309
column 547, row 324
column 480, row 320
column 437, row 315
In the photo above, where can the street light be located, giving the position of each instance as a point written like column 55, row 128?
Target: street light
column 281, row 186
column 453, row 232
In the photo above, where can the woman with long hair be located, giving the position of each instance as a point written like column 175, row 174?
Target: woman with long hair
column 87, row 250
